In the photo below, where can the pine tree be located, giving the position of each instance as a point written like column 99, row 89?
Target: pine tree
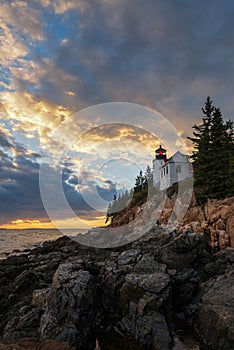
column 108, row 213
column 114, row 205
column 202, row 151
column 213, row 155
column 231, row 172
column 149, row 177
column 230, row 125
column 220, row 152
column 139, row 182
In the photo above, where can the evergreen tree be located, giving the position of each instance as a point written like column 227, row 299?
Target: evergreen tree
column 149, row 177
column 108, row 213
column 118, row 204
column 213, row 155
column 231, row 171
column 202, row 151
column 139, row 182
column 220, row 156
column 114, row 205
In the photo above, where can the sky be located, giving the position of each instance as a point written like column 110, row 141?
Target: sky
column 59, row 58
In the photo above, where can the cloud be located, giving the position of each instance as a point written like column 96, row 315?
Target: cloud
column 62, row 6
column 161, row 54
column 58, row 57
column 20, row 197
column 12, row 47
column 115, row 139
column 22, row 16
column 4, row 142
column 33, row 114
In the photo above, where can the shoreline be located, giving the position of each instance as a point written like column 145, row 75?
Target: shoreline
column 22, row 241
column 57, row 261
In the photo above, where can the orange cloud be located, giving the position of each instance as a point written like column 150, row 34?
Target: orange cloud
column 82, row 223
column 23, row 224
column 61, row 6
column 23, row 17
column 12, row 47
column 31, row 114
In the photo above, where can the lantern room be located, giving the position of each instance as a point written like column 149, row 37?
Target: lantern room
column 161, row 153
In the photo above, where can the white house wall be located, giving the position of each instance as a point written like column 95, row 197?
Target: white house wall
column 169, row 177
column 165, row 178
column 156, row 171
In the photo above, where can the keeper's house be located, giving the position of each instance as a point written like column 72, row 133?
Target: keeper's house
column 168, row 171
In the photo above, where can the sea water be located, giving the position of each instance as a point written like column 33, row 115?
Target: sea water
column 21, row 241
column 18, row 241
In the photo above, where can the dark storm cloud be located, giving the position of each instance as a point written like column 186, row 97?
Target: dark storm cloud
column 20, row 196
column 19, row 192
column 4, row 142
column 165, row 54
column 149, row 49
column 168, row 55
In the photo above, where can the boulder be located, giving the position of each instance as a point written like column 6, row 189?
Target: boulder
column 20, row 344
column 40, row 296
column 128, row 257
column 50, row 344
column 184, row 287
column 216, row 315
column 24, row 323
column 223, row 239
column 148, row 264
column 183, row 250
column 225, row 212
column 33, row 344
column 153, row 283
column 194, row 214
column 70, row 309
column 141, row 297
column 230, row 230
column 220, row 224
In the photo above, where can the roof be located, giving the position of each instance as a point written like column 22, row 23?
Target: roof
column 172, row 158
column 160, row 149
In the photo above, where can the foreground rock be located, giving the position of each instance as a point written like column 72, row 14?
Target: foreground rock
column 65, row 295
column 33, row 344
column 72, row 298
column 216, row 313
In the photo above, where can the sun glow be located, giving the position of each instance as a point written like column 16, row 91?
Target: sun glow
column 23, row 224
column 80, row 223
column 63, row 224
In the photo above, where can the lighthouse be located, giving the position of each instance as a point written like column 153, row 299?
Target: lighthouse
column 167, row 171
column 158, row 161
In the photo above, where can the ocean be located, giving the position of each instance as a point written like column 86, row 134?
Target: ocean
column 19, row 241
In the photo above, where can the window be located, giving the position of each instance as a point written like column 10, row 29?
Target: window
column 178, row 168
column 167, row 169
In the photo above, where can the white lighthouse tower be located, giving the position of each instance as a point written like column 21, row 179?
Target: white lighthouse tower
column 158, row 161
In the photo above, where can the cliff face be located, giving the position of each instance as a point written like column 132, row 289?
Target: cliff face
column 215, row 218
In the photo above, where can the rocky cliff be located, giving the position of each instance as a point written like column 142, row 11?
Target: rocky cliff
column 215, row 218
column 64, row 295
